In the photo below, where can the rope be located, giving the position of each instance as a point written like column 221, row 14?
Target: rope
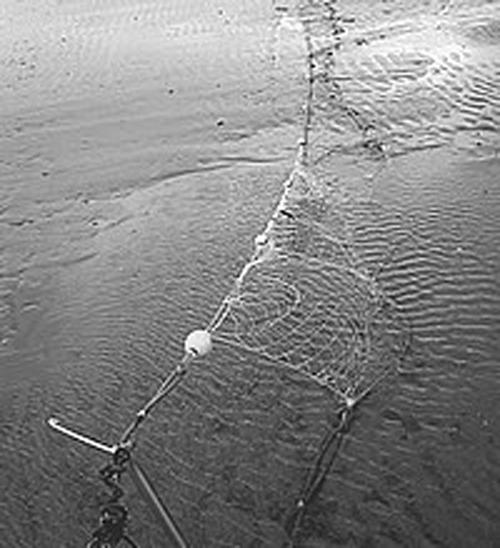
column 341, row 341
column 329, row 449
column 165, row 388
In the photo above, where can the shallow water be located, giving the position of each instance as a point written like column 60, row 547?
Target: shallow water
column 143, row 146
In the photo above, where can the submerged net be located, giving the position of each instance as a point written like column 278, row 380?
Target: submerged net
column 305, row 301
column 308, row 301
column 309, row 297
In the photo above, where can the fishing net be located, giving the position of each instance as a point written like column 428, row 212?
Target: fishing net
column 309, row 298
column 309, row 302
column 305, row 301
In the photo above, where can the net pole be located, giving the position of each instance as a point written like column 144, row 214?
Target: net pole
column 145, row 487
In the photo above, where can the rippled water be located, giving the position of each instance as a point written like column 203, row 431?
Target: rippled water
column 143, row 146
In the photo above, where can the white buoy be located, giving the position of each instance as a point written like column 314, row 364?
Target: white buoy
column 198, row 343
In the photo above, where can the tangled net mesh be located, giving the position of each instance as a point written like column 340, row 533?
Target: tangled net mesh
column 305, row 301
column 309, row 301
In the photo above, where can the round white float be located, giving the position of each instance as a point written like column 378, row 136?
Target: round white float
column 198, row 343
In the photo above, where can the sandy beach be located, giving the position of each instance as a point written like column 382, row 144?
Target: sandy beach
column 143, row 146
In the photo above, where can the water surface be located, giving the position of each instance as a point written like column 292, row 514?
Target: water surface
column 143, row 146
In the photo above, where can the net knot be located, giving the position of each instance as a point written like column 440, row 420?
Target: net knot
column 141, row 415
column 350, row 403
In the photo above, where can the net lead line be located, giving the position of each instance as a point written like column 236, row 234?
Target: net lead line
column 327, row 452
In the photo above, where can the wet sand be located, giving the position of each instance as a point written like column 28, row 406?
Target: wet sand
column 143, row 145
